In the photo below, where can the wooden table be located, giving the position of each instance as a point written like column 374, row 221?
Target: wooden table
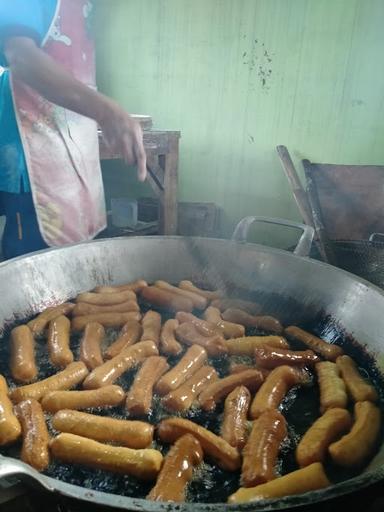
column 162, row 149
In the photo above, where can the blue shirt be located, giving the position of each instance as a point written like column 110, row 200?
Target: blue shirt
column 31, row 18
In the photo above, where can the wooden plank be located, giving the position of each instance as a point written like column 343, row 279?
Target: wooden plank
column 169, row 200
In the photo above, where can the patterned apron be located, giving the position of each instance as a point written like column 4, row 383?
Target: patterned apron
column 61, row 147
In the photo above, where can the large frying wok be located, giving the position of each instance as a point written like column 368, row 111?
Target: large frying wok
column 296, row 289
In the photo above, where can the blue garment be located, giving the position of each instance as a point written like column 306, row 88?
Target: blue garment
column 30, row 18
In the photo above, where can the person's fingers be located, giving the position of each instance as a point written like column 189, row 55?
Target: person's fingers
column 141, row 158
column 127, row 149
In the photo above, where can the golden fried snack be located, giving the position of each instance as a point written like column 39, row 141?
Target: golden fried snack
column 325, row 430
column 134, row 434
column 357, row 387
column 189, row 335
column 182, row 398
column 357, row 446
column 220, row 389
column 68, row 378
column 228, row 329
column 303, row 480
column 204, row 327
column 165, row 299
column 198, row 301
column 22, row 361
column 262, row 448
column 327, row 350
column 144, row 464
column 168, row 342
column 38, row 324
column 234, row 428
column 10, row 428
column 271, row 357
column 245, row 305
column 135, row 286
column 58, row 342
column 35, row 434
column 111, row 370
column 246, row 345
column 90, row 345
column 177, row 470
column 332, row 387
column 106, row 299
column 107, row 396
column 215, row 447
column 209, row 295
column 273, row 390
column 192, row 360
column 151, row 323
column 84, row 308
column 129, row 335
column 267, row 323
column 106, row 319
column 139, row 397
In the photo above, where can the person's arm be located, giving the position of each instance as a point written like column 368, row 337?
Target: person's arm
column 31, row 65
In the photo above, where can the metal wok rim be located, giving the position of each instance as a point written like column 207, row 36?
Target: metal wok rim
column 19, row 469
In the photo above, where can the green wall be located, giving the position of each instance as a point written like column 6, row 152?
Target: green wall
column 239, row 77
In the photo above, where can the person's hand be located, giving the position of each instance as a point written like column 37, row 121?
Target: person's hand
column 124, row 136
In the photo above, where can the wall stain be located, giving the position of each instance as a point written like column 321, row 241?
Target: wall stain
column 258, row 60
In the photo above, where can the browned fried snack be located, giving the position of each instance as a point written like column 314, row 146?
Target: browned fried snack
column 271, row 357
column 234, row 428
column 274, row 389
column 34, row 450
column 355, row 448
column 267, row 323
column 139, row 397
column 10, row 428
column 177, row 470
column 262, row 448
column 165, row 299
column 182, row 398
column 129, row 335
column 22, row 361
column 144, row 464
column 90, row 345
column 245, row 305
column 204, row 327
column 189, row 335
column 68, row 378
column 38, row 324
column 325, row 430
column 327, row 350
column 215, row 447
column 303, row 480
column 84, row 308
column 168, row 342
column 151, row 324
column 134, row 434
column 106, row 299
column 357, row 387
column 209, row 295
column 228, row 329
column 246, row 345
column 220, row 389
column 198, row 301
column 333, row 392
column 192, row 360
column 59, row 341
column 106, row 319
column 106, row 396
column 111, row 370
column 135, row 286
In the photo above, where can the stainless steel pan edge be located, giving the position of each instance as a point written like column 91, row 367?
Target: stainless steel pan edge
column 29, row 283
